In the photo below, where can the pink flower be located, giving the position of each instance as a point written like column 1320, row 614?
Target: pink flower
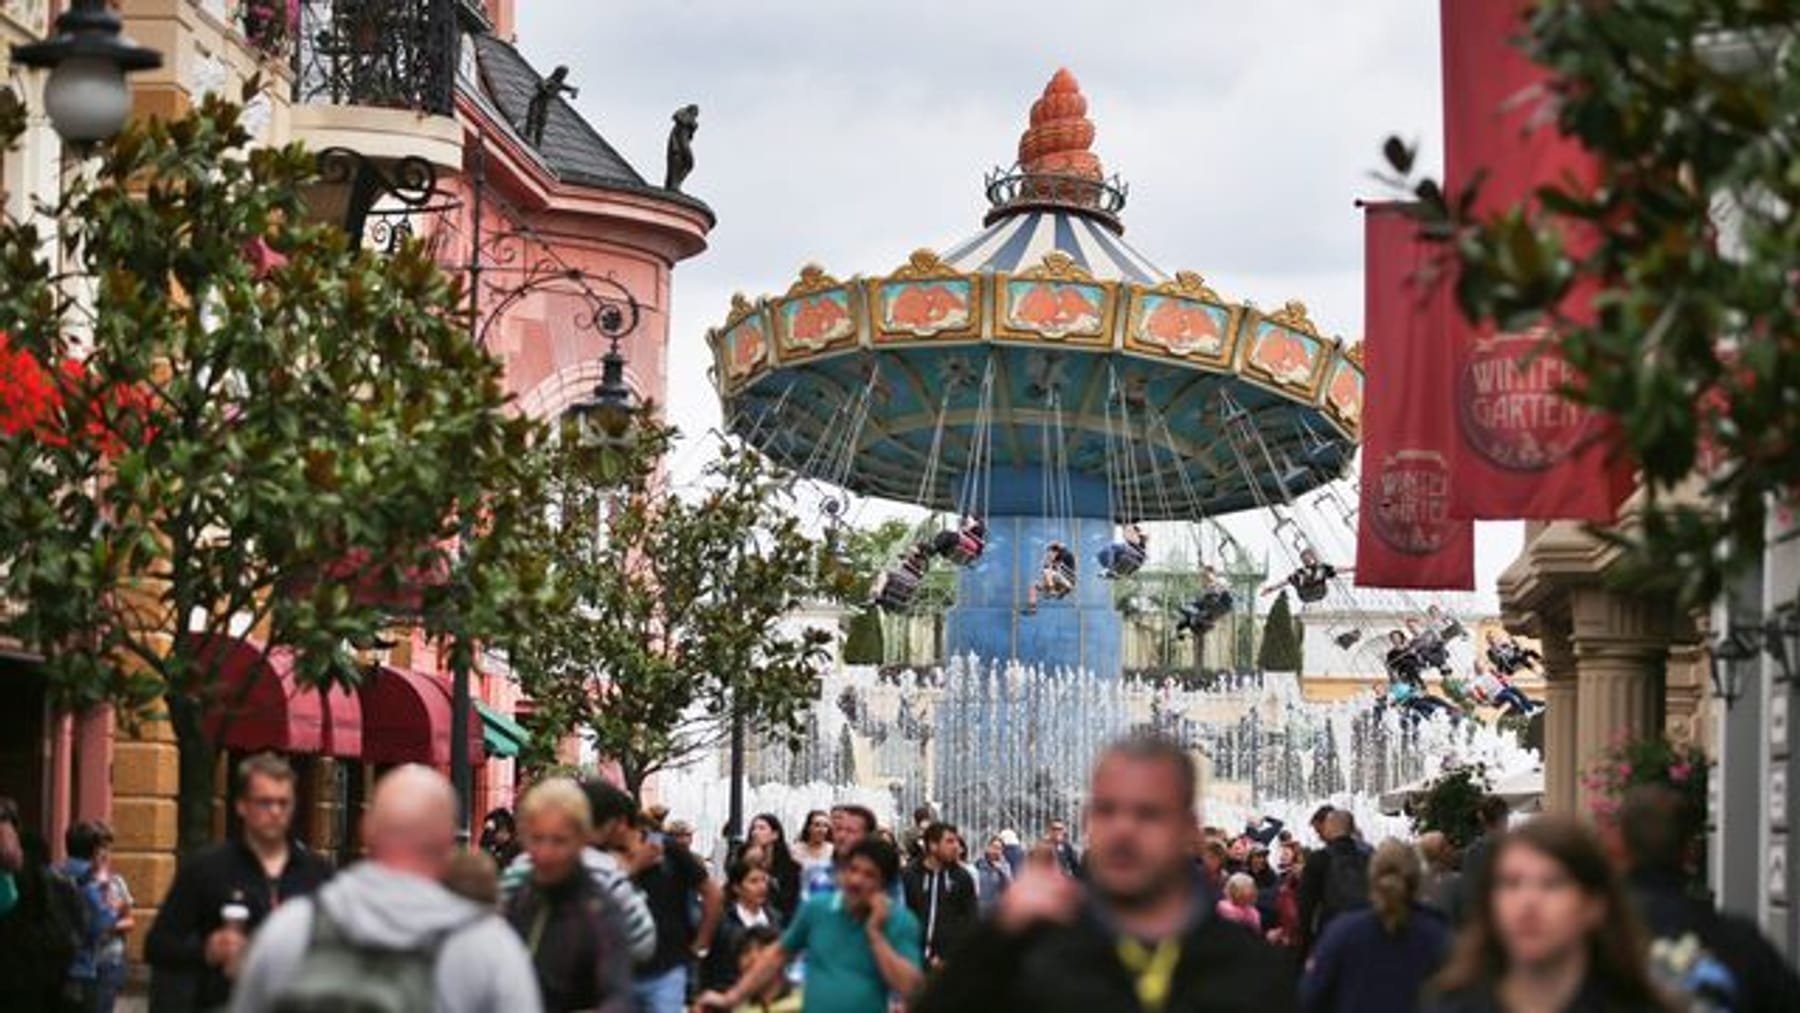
column 1624, row 771
column 1680, row 772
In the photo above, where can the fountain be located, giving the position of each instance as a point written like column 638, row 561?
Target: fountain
column 1003, row 745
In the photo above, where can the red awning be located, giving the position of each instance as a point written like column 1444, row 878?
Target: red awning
column 408, row 719
column 258, row 704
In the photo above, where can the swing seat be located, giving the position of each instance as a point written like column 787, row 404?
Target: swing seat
column 1120, row 559
column 897, row 591
column 1347, row 639
column 964, row 551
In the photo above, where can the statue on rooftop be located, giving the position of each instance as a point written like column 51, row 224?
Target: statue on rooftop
column 537, row 114
column 681, row 146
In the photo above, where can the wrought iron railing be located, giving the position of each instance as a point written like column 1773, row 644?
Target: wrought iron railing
column 1017, row 187
column 395, row 54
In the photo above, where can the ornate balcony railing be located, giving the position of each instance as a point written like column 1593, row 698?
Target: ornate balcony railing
column 1014, row 188
column 393, row 54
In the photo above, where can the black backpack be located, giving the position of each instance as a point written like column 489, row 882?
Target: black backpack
column 67, row 922
column 1346, row 882
column 340, row 975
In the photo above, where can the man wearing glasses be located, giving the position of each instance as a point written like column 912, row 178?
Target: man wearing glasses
column 222, row 893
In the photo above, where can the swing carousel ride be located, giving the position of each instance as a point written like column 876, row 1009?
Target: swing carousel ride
column 1044, row 388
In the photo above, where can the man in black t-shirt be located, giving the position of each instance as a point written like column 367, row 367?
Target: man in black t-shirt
column 669, row 886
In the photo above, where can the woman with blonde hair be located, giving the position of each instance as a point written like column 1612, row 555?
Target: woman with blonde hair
column 1379, row 958
column 570, row 927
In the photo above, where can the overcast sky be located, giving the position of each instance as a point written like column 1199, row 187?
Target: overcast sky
column 850, row 133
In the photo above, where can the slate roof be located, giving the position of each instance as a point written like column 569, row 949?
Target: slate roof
column 572, row 149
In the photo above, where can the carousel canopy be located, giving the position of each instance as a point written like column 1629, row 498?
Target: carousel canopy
column 1043, row 346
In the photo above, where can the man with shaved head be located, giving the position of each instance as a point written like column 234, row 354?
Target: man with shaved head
column 386, row 934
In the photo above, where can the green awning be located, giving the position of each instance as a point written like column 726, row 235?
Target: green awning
column 500, row 735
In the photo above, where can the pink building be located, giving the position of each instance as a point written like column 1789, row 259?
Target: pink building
column 542, row 214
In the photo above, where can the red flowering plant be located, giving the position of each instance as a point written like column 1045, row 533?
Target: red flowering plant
column 270, row 24
column 1628, row 763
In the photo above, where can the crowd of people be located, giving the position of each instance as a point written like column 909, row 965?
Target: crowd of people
column 584, row 902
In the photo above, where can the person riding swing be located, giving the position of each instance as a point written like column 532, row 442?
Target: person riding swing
column 1406, row 679
column 1125, row 556
column 1214, row 602
column 1508, row 656
column 963, row 544
column 896, row 587
column 1057, row 577
column 1311, row 581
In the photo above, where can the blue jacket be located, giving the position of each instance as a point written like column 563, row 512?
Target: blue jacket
column 1358, row 966
column 100, row 919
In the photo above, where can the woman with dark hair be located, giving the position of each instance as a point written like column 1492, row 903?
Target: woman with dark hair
column 1379, row 958
column 1551, row 932
column 749, row 905
column 814, row 844
column 766, row 831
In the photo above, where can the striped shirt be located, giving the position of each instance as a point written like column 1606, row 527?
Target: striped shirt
column 634, row 913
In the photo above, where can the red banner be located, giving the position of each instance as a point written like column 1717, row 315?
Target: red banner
column 1405, row 536
column 1525, row 450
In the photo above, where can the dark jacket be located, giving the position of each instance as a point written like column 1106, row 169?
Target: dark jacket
column 720, row 968
column 957, row 905
column 1591, row 999
column 1316, row 908
column 1265, row 832
column 1760, row 979
column 38, row 937
column 222, row 874
column 1358, row 966
column 577, row 944
column 1472, row 880
column 1223, row 968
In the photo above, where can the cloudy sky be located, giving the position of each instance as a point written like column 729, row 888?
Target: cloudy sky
column 849, row 133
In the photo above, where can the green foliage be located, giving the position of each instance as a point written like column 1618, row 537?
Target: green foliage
column 269, row 429
column 862, row 639
column 1280, row 651
column 1448, row 804
column 1692, row 108
column 672, row 607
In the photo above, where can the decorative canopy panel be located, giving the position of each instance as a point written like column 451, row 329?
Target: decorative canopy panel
column 1056, row 343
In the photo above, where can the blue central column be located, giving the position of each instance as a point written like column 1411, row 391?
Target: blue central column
column 988, row 620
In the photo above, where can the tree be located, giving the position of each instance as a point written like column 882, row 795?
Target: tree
column 1327, row 774
column 673, row 607
column 1689, row 108
column 250, row 423
column 862, row 639
column 1280, row 650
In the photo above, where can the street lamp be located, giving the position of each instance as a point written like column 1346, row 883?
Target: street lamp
column 1738, row 645
column 88, row 59
column 604, row 418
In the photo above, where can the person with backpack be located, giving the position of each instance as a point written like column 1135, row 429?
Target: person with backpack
column 223, row 893
column 568, row 922
column 84, row 841
column 387, row 935
column 1336, row 878
column 42, row 930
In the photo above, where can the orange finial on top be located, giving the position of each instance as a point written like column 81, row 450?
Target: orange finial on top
column 1058, row 140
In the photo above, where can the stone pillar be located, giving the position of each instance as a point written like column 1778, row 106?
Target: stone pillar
column 1562, row 708
column 1687, row 692
column 1621, row 647
column 146, row 780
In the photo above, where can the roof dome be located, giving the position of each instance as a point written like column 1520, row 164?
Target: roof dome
column 1055, row 198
